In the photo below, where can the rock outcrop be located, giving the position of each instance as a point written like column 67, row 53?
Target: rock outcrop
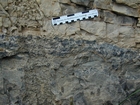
column 117, row 19
column 90, row 62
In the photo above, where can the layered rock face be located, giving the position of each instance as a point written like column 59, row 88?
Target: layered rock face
column 90, row 62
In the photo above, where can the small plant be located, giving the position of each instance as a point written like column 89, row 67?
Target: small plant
column 71, row 100
column 131, row 95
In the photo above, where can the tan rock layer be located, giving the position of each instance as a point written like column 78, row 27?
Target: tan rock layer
column 34, row 17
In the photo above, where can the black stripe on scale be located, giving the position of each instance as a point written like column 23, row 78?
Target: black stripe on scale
column 72, row 20
column 84, row 18
column 61, row 23
column 89, row 17
column 56, row 18
column 95, row 15
column 85, row 12
column 70, row 15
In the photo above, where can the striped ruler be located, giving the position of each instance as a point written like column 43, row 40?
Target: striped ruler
column 75, row 17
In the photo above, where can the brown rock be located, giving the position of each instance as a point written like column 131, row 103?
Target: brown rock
column 113, row 32
column 68, row 9
column 73, row 28
column 122, row 9
column 81, row 2
column 93, row 27
column 9, row 1
column 64, row 1
column 50, row 8
column 0, row 21
column 132, row 3
column 4, row 3
column 38, row 1
column 60, row 30
column 103, row 4
column 6, row 22
column 125, row 20
column 125, row 10
column 109, row 17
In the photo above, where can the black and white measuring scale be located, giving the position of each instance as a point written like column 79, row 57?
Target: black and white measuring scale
column 75, row 17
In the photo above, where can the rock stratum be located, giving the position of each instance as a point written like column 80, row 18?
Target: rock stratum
column 90, row 62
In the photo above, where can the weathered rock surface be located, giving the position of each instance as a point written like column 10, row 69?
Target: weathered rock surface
column 89, row 62
column 122, row 9
column 66, row 71
column 81, row 2
column 131, row 3
column 34, row 18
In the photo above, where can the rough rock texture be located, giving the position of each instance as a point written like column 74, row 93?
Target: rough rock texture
column 33, row 17
column 90, row 62
column 41, row 71
column 131, row 3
